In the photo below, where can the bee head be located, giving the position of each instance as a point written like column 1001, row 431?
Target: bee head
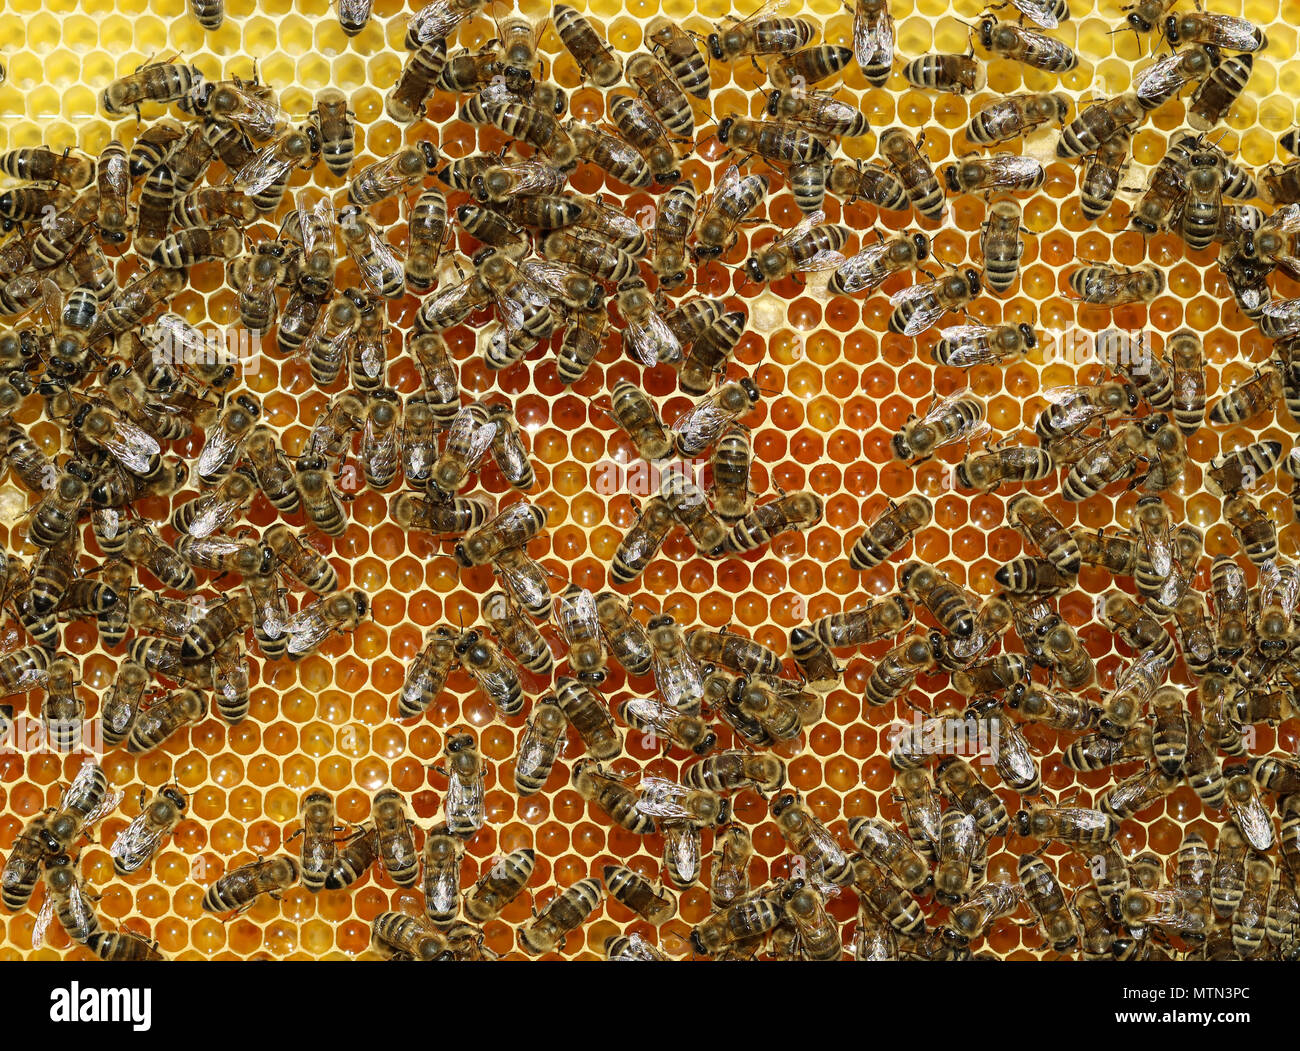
column 922, row 244
column 724, row 129
column 1029, row 336
column 973, row 281
column 950, row 177
column 774, row 103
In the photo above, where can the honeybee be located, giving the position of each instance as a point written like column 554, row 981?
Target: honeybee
column 951, row 419
column 892, row 851
column 300, row 560
column 587, row 714
column 239, row 888
column 876, row 620
column 499, row 885
column 1101, row 178
column 1016, row 115
column 919, row 306
column 540, row 744
column 793, row 512
column 1254, row 530
column 494, row 676
column 1031, row 518
column 465, row 773
column 65, row 897
column 427, row 674
column 375, row 258
column 536, row 127
column 612, row 795
column 563, row 914
column 1098, row 122
column 642, row 541
column 427, row 231
column 710, row 352
column 734, row 199
column 156, row 723
column 518, row 635
column 1113, row 286
column 159, row 82
column 394, row 839
column 869, row 268
column 1046, row 899
column 334, row 613
column 701, row 426
column 891, row 531
column 915, row 172
column 808, row 248
column 895, row 672
column 624, row 634
column 265, row 177
column 807, row 836
column 677, row 674
column 136, row 845
column 1255, row 396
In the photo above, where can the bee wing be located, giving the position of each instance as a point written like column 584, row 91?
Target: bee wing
column 873, row 34
column 1234, row 33
column 435, row 20
column 52, row 303
column 44, row 917
column 263, row 170
column 526, row 582
column 316, row 224
column 1286, row 315
column 307, row 629
column 105, row 807
column 1038, row 11
column 1160, row 549
column 576, row 614
column 682, row 844
column 652, row 342
column 465, row 798
column 496, row 684
column 215, row 450
column 661, row 798
column 533, row 749
column 928, row 310
column 826, row 259
column 135, row 845
column 81, row 783
column 679, row 682
column 648, row 710
column 800, row 229
column 1159, row 80
column 258, row 116
column 1253, row 820
column 1286, row 220
column 911, row 292
column 380, row 265
column 133, row 446
column 476, row 437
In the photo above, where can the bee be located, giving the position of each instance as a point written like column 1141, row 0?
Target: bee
column 960, row 784
column 870, row 623
column 735, row 652
column 494, row 676
column 1027, row 46
column 702, row 425
column 375, row 258
column 1113, row 286
column 612, row 795
column 122, row 702
column 1254, row 530
column 808, row 66
column 1098, row 122
column 1002, row 248
column 871, row 266
column 300, row 560
column 642, row 541
column 915, row 172
column 427, row 674
column 673, row 222
column 958, row 74
column 1101, row 178
column 22, row 868
column 441, row 883
column 136, row 845
column 1047, row 900
column 954, row 418
column 1002, row 171
column 882, row 897
column 1256, row 396
column 272, row 471
column 338, row 612
column 1164, row 78
column 320, row 501
column 465, row 775
column 807, row 248
column 394, row 839
column 406, row 100
column 793, row 512
column 989, row 470
column 890, row 532
column 1232, row 472
column 645, row 335
column 469, row 438
column 1202, row 205
column 380, row 439
column 225, row 441
column 393, row 175
column 959, row 845
column 208, row 512
column 548, row 930
column 584, row 709
column 399, row 936
column 519, row 636
column 1016, row 115
column 1249, row 917
column 537, row 128
column 266, row 176
column 734, row 199
column 776, row 141
column 542, row 739
column 334, row 124
column 688, row 732
column 66, row 898
column 710, row 352
column 155, row 724
column 808, row 837
column 587, row 46
column 894, row 674
column 1246, row 810
column 892, row 851
column 870, row 182
column 873, row 39
column 730, row 463
column 1031, row 518
column 1214, row 97
column 677, row 674
column 132, row 304
column 147, row 551
column 623, row 633
column 515, row 526
column 427, row 231
column 1071, row 409
column 239, row 888
column 160, row 82
column 500, row 885
column 919, row 306
column 689, row 506
column 1229, row 32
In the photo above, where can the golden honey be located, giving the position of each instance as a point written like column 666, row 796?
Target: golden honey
column 836, row 385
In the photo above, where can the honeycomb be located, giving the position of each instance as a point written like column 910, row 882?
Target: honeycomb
column 835, row 387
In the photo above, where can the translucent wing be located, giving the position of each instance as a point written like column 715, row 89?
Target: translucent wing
column 44, row 917
column 576, row 613
column 525, row 579
column 465, row 800
column 1076, row 410
column 80, row 785
column 1285, row 315
column 263, row 171
column 136, row 844
column 1285, row 220
column 316, row 223
column 441, row 892
column 826, row 259
column 873, row 34
column 928, row 309
column 968, row 344
column 1160, row 548
column 679, row 682
column 649, row 711
column 230, row 674
column 133, row 447
column 207, row 521
column 220, row 444
column 768, row 8
column 437, row 19
column 380, row 266
column 258, row 116
column 549, row 278
column 1161, row 80
column 511, row 456
column 661, row 798
column 682, row 845
column 534, row 752
column 939, row 407
column 307, row 629
column 496, row 685
column 516, row 302
column 652, row 341
column 1253, row 820
column 801, row 229
column 866, row 269
column 356, row 12
column 52, row 304
column 1038, row 11
column 468, row 432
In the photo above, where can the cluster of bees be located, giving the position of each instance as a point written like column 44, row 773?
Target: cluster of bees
column 498, row 241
